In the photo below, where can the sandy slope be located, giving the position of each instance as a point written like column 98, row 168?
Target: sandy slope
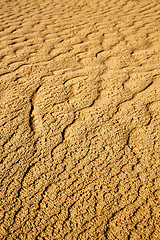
column 80, row 119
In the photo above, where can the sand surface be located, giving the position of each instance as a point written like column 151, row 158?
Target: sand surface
column 80, row 119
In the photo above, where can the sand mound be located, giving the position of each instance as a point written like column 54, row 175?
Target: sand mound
column 80, row 119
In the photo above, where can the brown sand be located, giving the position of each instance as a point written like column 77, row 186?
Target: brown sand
column 80, row 119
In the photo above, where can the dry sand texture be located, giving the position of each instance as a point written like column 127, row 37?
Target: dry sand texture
column 80, row 119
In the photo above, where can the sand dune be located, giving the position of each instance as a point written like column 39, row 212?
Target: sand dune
column 80, row 119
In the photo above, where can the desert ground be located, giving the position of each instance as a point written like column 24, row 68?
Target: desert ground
column 80, row 119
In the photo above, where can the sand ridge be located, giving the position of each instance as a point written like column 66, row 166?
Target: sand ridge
column 80, row 119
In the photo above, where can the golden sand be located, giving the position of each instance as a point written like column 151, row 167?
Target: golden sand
column 80, row 119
